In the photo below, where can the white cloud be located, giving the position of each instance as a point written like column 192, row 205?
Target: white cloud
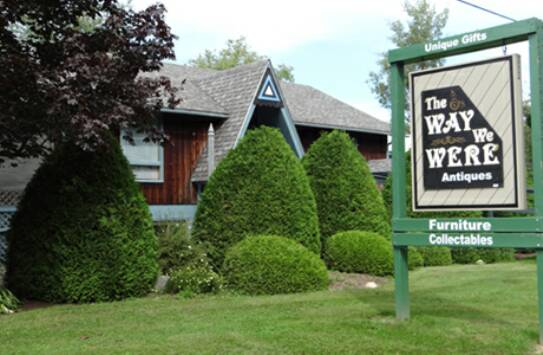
column 272, row 26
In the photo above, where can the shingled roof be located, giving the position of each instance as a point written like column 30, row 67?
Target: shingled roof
column 230, row 94
column 194, row 99
column 312, row 107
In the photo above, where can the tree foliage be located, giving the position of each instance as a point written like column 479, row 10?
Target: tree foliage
column 425, row 24
column 82, row 232
column 237, row 52
column 259, row 188
column 72, row 71
column 345, row 190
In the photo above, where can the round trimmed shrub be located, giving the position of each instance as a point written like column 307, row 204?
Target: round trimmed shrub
column 82, row 231
column 272, row 265
column 436, row 256
column 345, row 190
column 260, row 187
column 357, row 251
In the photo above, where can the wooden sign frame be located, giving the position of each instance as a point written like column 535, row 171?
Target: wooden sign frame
column 523, row 232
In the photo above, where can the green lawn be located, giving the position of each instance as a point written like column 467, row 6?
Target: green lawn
column 457, row 309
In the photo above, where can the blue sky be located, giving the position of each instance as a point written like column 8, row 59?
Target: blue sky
column 332, row 45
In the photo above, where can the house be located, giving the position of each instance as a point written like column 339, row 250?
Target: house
column 217, row 109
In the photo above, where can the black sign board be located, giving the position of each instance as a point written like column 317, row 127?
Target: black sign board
column 461, row 149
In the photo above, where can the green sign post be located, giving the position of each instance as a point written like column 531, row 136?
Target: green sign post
column 524, row 232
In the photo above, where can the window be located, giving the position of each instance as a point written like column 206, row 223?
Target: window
column 146, row 158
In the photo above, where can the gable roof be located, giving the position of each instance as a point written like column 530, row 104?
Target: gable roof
column 230, row 94
column 308, row 106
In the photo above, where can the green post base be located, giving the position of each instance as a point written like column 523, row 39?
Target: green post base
column 540, row 292
column 401, row 281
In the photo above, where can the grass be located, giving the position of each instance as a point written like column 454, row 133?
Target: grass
column 470, row 309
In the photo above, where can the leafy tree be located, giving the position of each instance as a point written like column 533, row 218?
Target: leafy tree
column 82, row 232
column 259, row 188
column 425, row 24
column 72, row 68
column 237, row 52
column 345, row 190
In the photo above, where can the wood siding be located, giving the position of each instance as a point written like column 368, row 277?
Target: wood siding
column 181, row 152
column 372, row 146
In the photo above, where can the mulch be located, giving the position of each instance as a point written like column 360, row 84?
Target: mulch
column 342, row 280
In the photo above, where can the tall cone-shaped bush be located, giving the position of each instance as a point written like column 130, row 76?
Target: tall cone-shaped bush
column 82, row 231
column 259, row 188
column 345, row 190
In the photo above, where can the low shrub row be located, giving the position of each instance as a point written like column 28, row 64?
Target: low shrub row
column 487, row 255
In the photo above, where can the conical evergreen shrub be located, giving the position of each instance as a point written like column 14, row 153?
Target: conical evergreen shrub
column 345, row 190
column 259, row 188
column 82, row 231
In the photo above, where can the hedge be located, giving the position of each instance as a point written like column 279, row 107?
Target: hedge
column 488, row 255
column 259, row 188
column 436, row 256
column 358, row 251
column 82, row 231
column 345, row 190
column 273, row 265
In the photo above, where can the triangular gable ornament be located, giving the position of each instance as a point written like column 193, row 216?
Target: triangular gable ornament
column 268, row 93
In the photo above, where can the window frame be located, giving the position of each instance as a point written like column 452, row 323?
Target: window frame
column 145, row 163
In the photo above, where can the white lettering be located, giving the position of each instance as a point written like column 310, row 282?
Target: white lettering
column 435, row 157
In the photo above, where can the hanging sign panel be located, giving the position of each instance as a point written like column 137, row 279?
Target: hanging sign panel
column 468, row 150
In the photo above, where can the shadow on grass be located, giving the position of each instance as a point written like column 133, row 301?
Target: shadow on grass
column 427, row 304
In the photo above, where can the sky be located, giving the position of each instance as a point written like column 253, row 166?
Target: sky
column 332, row 45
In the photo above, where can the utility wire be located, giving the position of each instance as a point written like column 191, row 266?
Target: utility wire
column 486, row 10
